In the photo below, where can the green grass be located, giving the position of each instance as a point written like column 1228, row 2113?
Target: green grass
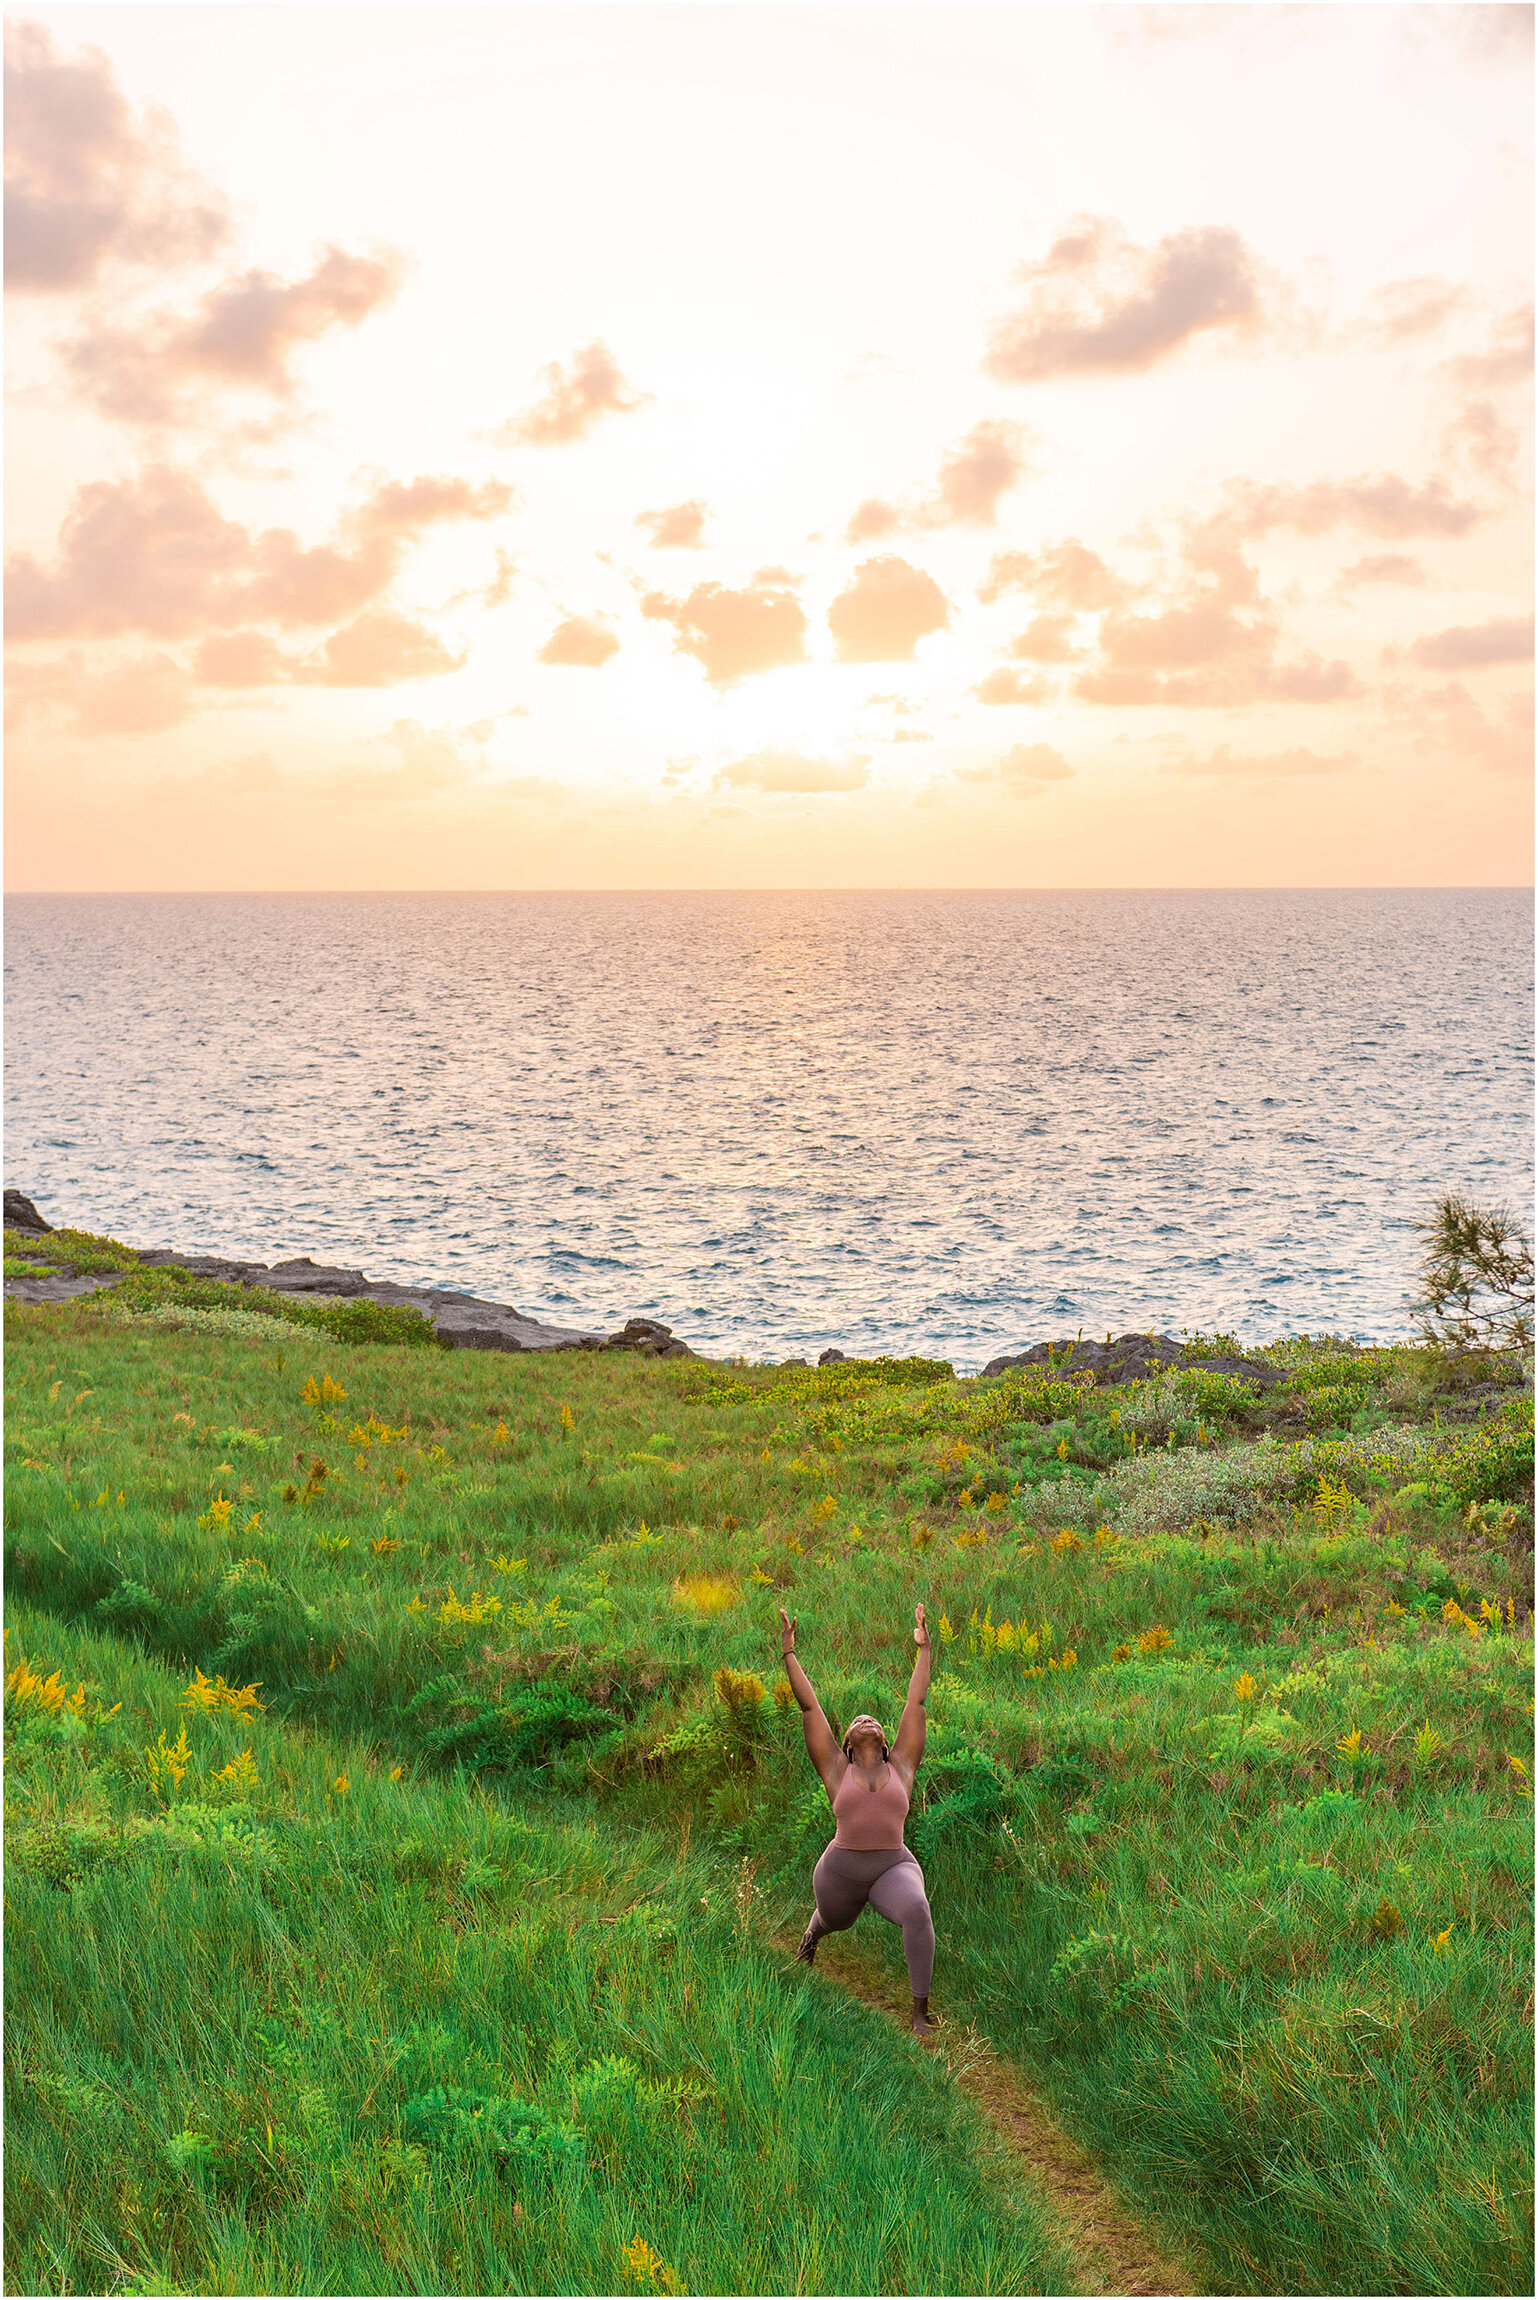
column 1278, row 1977
column 325, row 2030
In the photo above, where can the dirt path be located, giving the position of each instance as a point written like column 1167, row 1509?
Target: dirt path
column 1114, row 2251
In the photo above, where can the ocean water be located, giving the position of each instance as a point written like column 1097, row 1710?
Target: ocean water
column 938, row 1122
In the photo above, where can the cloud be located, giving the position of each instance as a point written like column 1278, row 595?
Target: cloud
column 581, row 643
column 381, row 649
column 1214, row 643
column 1476, row 646
column 406, row 507
column 1281, row 764
column 734, row 634
column 1379, row 504
column 87, row 186
column 910, row 735
column 884, row 611
column 1049, row 639
column 1024, row 770
column 972, row 477
column 1479, row 438
column 1404, row 310
column 677, row 529
column 1507, row 358
column 575, row 399
column 154, row 554
column 790, row 771
column 1098, row 305
column 240, row 659
column 871, row 520
column 1379, row 567
column 158, row 368
column 1446, row 722
column 1067, row 575
column 1006, row 686
column 142, row 698
column 975, row 473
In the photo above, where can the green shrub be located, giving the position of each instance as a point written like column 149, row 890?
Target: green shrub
column 80, row 1251
column 1491, row 1462
column 149, row 1291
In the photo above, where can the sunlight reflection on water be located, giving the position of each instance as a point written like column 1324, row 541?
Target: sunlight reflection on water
column 938, row 1122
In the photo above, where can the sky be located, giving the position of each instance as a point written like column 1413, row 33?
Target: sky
column 722, row 445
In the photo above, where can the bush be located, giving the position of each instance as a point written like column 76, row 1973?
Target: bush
column 80, row 1251
column 1491, row 1462
column 353, row 1321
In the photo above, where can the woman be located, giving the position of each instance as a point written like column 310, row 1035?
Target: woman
column 871, row 1788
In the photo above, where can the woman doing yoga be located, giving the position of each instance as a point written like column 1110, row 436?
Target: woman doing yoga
column 870, row 1787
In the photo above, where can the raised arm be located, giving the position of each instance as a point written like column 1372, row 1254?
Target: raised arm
column 909, row 1748
column 821, row 1747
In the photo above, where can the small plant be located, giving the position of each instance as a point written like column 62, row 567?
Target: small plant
column 238, row 1779
column 473, row 1610
column 325, row 1392
column 165, row 1765
column 705, row 1593
column 212, row 1695
column 646, row 2267
column 742, row 1692
column 1154, row 1641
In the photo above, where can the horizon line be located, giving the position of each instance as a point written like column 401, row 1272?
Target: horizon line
column 1406, row 886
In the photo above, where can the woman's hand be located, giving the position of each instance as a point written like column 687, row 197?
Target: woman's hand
column 787, row 1635
column 920, row 1627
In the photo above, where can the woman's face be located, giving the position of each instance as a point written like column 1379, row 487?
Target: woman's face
column 865, row 1750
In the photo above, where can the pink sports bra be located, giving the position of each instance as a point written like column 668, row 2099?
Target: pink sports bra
column 870, row 1820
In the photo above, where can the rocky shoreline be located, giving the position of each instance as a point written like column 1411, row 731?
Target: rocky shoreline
column 467, row 1322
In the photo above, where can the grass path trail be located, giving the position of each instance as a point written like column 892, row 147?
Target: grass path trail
column 1112, row 2249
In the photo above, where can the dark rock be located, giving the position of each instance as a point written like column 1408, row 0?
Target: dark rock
column 203, row 1266
column 1130, row 1358
column 302, row 1276
column 21, row 1214
column 649, row 1339
column 60, row 1288
column 834, row 1358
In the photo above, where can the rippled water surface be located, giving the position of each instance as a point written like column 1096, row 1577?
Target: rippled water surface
column 937, row 1122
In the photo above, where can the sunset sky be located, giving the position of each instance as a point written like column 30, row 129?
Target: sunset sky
column 751, row 446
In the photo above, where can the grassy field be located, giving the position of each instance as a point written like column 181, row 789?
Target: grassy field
column 1226, row 1813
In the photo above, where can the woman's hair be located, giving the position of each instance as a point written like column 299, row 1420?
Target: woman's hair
column 867, row 1725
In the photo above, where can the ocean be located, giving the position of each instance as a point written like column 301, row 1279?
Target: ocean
column 944, row 1123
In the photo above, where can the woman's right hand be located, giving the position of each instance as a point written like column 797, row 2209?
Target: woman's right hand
column 787, row 1635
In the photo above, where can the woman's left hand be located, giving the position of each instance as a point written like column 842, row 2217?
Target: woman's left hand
column 920, row 1626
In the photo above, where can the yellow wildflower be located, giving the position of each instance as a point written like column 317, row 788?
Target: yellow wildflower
column 212, row 1694
column 647, row 2267
column 1244, row 1687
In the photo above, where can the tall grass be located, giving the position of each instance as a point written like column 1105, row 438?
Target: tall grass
column 325, row 2030
column 1226, row 1812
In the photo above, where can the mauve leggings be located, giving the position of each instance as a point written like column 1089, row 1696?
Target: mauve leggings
column 893, row 1883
